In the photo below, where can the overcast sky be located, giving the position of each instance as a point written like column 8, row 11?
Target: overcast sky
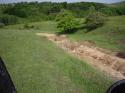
column 101, row 1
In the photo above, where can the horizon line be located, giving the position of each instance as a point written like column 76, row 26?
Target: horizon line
column 58, row 2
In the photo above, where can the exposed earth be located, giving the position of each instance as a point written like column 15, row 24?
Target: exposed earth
column 99, row 58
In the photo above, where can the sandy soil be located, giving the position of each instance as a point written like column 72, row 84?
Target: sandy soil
column 99, row 58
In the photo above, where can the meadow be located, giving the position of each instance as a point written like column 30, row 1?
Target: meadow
column 36, row 65
column 111, row 36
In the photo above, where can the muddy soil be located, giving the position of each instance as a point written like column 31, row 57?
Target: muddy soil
column 99, row 58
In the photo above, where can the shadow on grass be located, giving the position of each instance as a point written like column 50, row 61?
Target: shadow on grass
column 67, row 32
column 87, row 30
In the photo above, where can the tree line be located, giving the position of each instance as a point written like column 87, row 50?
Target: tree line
column 34, row 11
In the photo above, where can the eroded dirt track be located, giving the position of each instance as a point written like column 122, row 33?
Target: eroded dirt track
column 94, row 56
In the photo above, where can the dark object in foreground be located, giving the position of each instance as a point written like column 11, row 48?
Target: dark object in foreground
column 118, row 87
column 6, row 84
column 121, row 55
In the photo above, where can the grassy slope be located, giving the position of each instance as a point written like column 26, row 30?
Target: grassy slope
column 110, row 36
column 38, row 66
column 44, row 26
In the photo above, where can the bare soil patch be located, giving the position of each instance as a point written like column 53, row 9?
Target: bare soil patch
column 96, row 57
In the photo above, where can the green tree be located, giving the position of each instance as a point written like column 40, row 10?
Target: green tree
column 63, row 13
column 8, row 19
column 92, row 10
column 67, row 22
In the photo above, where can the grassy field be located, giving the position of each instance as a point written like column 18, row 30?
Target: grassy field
column 44, row 26
column 37, row 65
column 111, row 36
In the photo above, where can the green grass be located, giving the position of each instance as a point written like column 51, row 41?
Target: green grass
column 44, row 26
column 111, row 36
column 36, row 65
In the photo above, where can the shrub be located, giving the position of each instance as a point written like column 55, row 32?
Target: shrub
column 67, row 23
column 95, row 20
column 8, row 19
column 2, row 25
column 27, row 26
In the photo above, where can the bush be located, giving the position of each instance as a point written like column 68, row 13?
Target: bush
column 67, row 23
column 27, row 26
column 2, row 25
column 95, row 20
column 8, row 19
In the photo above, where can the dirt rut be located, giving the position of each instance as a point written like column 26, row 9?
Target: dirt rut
column 96, row 57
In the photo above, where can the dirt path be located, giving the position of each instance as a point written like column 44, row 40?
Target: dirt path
column 94, row 56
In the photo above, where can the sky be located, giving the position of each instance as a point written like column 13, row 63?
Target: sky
column 100, row 1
